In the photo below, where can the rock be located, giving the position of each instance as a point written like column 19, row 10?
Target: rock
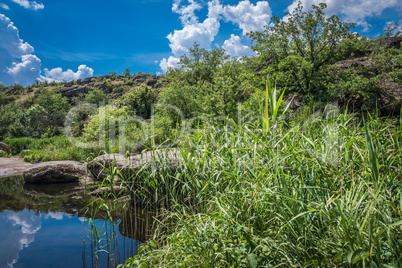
column 391, row 42
column 57, row 172
column 152, row 82
column 391, row 98
column 132, row 164
column 362, row 61
column 4, row 147
column 104, row 77
column 140, row 78
column 12, row 167
column 101, row 164
column 88, row 80
column 69, row 84
column 74, row 91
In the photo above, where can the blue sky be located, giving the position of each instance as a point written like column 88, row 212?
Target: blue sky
column 64, row 40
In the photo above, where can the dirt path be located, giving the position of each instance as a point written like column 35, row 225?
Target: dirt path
column 12, row 167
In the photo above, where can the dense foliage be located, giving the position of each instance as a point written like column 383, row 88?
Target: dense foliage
column 272, row 175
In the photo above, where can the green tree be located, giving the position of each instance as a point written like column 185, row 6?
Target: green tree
column 200, row 64
column 140, row 100
column 298, row 49
column 126, row 72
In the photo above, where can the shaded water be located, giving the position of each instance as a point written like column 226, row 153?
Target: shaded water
column 51, row 226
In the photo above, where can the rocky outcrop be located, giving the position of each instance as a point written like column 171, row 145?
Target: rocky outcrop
column 132, row 164
column 73, row 91
column 4, row 147
column 12, row 167
column 391, row 98
column 152, row 82
column 390, row 42
column 57, row 172
column 140, row 78
column 356, row 62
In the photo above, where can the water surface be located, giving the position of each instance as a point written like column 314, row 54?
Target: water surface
column 51, row 226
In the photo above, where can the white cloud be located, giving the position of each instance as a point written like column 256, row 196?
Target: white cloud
column 234, row 47
column 4, row 6
column 54, row 215
column 187, row 15
column 29, row 5
column 19, row 66
column 202, row 33
column 58, row 75
column 171, row 62
column 249, row 17
column 26, row 71
column 355, row 11
column 193, row 31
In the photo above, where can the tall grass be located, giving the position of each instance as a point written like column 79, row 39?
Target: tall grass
column 323, row 195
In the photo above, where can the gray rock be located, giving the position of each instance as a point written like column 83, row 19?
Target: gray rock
column 69, row 84
column 391, row 98
column 132, row 164
column 74, row 91
column 57, row 172
column 152, row 82
column 88, row 80
column 391, row 42
column 4, row 147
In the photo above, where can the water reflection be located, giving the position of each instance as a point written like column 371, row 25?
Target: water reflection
column 137, row 223
column 51, row 226
column 17, row 232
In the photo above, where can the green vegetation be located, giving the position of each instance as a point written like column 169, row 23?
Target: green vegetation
column 298, row 169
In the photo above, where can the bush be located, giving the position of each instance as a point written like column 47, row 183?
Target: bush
column 112, row 137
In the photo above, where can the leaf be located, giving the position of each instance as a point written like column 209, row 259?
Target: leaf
column 252, row 260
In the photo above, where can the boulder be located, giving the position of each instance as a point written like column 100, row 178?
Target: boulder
column 4, row 147
column 88, row 80
column 132, row 164
column 391, row 42
column 391, row 98
column 152, row 82
column 57, row 172
column 140, row 78
column 74, row 91
column 69, row 84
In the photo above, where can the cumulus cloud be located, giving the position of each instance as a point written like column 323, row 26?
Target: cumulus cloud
column 247, row 16
column 54, row 215
column 26, row 71
column 171, row 62
column 193, row 31
column 19, row 66
column 16, row 56
column 19, row 233
column 202, row 33
column 4, row 6
column 29, row 5
column 234, row 47
column 187, row 15
column 351, row 11
column 58, row 75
